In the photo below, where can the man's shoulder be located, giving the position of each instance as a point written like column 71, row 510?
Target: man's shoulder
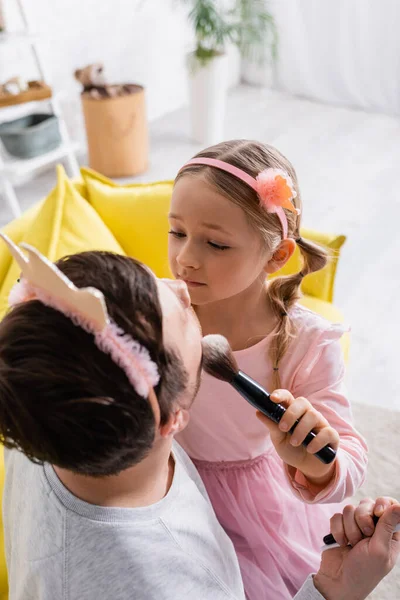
column 135, row 552
column 22, row 476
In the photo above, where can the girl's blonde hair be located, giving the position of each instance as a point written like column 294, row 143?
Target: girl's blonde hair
column 253, row 157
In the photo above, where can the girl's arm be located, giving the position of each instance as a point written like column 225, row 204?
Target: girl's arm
column 320, row 379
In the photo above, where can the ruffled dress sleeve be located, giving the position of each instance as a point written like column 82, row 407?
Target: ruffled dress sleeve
column 320, row 379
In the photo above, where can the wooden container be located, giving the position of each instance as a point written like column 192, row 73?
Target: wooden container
column 117, row 134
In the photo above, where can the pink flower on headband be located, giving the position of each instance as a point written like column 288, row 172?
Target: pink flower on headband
column 275, row 189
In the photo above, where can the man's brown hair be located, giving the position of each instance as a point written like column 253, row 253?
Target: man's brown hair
column 62, row 400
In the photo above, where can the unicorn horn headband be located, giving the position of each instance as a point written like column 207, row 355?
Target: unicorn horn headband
column 86, row 307
column 274, row 187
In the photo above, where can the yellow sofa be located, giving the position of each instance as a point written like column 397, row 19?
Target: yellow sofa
column 96, row 214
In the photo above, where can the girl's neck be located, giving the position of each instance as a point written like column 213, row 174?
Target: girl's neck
column 244, row 319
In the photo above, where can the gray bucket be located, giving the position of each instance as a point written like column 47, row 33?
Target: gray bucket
column 31, row 136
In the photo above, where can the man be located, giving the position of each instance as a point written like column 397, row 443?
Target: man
column 93, row 389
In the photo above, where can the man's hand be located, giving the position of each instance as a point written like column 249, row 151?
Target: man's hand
column 351, row 572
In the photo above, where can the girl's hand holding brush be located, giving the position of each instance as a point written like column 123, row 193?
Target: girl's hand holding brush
column 289, row 446
column 220, row 362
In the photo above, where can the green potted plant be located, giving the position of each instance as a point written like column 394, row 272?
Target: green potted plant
column 249, row 25
column 257, row 41
column 213, row 29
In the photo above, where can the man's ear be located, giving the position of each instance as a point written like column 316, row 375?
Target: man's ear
column 177, row 422
column 280, row 256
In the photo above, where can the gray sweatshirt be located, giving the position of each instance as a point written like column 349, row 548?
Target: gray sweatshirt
column 61, row 548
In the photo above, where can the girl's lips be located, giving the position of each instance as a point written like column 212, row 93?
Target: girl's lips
column 190, row 283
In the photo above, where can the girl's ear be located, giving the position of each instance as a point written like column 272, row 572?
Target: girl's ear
column 280, row 256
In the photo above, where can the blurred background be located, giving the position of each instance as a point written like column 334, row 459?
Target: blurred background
column 318, row 79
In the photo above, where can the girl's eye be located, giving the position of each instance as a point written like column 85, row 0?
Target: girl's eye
column 218, row 246
column 179, row 235
column 176, row 234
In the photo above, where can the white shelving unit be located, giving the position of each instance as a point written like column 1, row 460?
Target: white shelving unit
column 11, row 168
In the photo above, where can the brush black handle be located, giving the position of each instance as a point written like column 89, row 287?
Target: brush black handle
column 329, row 539
column 260, row 399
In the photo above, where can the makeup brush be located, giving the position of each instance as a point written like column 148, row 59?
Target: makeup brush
column 219, row 362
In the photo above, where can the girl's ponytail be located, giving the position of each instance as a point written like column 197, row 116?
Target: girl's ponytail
column 284, row 292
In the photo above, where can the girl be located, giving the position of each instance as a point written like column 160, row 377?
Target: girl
column 235, row 218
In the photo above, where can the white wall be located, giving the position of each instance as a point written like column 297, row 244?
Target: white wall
column 341, row 51
column 142, row 41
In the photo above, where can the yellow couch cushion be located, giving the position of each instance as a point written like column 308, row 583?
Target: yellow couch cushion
column 64, row 223
column 137, row 215
column 16, row 231
column 331, row 313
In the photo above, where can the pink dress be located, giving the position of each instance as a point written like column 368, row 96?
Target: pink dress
column 274, row 519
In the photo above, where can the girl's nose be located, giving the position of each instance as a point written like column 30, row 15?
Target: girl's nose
column 187, row 257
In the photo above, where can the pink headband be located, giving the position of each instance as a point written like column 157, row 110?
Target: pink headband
column 273, row 186
column 86, row 307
